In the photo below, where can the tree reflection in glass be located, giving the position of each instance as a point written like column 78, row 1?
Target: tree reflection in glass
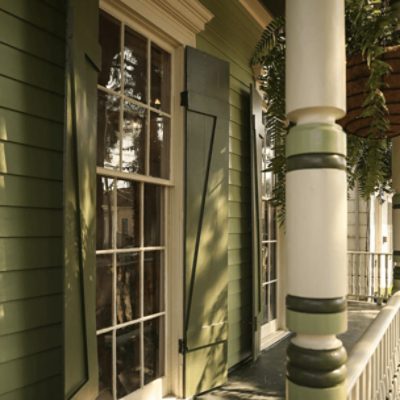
column 109, row 37
column 104, row 279
column 160, row 79
column 128, row 287
column 108, row 110
column 153, row 282
column 134, row 138
column 159, row 145
column 104, row 209
column 104, row 351
column 128, row 360
column 135, row 66
column 128, row 214
column 153, row 349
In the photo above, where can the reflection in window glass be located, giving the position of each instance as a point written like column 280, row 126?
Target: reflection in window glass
column 104, row 275
column 159, row 145
column 107, row 130
column 160, row 79
column 128, row 360
column 269, row 261
column 104, row 351
column 104, row 207
column 153, row 349
column 128, row 208
column 109, row 32
column 153, row 215
column 135, row 66
column 153, row 283
column 134, row 138
column 128, row 287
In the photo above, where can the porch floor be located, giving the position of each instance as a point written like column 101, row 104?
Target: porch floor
column 265, row 378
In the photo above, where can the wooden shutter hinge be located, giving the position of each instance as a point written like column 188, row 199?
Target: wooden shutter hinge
column 184, row 98
column 182, row 346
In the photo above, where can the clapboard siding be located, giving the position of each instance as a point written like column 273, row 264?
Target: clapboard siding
column 48, row 388
column 32, row 50
column 232, row 36
column 23, row 67
column 22, row 344
column 30, row 253
column 21, row 372
column 21, row 128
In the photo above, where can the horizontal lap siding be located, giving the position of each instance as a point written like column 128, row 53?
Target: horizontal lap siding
column 32, row 50
column 232, row 36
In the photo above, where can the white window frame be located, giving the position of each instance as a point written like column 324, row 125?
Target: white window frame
column 171, row 26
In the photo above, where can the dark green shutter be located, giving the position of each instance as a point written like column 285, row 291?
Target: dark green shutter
column 255, row 150
column 206, row 222
column 83, row 60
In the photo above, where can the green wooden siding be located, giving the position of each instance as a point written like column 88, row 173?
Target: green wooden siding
column 32, row 83
column 232, row 36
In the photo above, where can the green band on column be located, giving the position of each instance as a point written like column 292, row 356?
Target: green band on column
column 316, row 161
column 396, row 253
column 297, row 392
column 316, row 360
column 316, row 324
column 316, row 379
column 316, row 138
column 316, row 306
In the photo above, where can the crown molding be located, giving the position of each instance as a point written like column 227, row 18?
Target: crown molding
column 182, row 20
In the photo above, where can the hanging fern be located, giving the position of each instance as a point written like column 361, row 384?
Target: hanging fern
column 370, row 28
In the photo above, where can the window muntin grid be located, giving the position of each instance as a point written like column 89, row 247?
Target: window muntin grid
column 131, row 213
column 269, row 236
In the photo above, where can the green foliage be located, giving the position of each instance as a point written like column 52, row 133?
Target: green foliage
column 370, row 29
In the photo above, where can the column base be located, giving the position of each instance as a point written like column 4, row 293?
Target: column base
column 296, row 392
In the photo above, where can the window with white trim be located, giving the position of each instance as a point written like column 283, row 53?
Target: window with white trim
column 269, row 235
column 133, row 175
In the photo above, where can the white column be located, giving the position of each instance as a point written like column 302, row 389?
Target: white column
column 316, row 199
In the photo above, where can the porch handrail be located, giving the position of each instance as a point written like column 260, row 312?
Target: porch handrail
column 373, row 363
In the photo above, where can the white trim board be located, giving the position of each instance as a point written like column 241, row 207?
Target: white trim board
column 180, row 20
column 257, row 11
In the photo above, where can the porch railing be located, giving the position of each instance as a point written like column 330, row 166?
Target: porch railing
column 373, row 365
column 370, row 275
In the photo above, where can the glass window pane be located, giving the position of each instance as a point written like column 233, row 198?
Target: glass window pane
column 109, row 32
column 104, row 217
column 128, row 360
column 128, row 287
column 264, row 262
column 273, row 301
column 135, row 66
column 159, row 145
column 268, row 252
column 153, row 282
column 272, row 223
column 264, row 299
column 128, row 214
column 107, row 130
column 153, row 215
column 153, row 349
column 104, row 353
column 272, row 261
column 134, row 138
column 160, row 78
column 104, row 275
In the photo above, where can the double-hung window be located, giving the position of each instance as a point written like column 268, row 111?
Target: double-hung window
column 133, row 177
